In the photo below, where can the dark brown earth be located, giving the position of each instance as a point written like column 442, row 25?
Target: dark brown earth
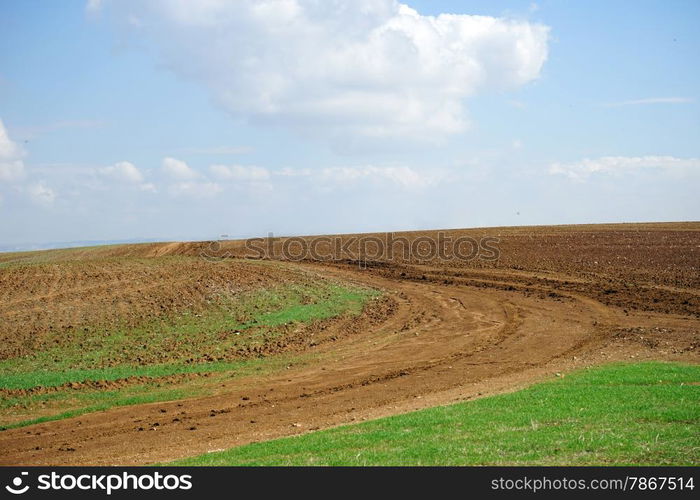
column 558, row 298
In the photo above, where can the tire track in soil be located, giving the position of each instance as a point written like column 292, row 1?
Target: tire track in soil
column 442, row 343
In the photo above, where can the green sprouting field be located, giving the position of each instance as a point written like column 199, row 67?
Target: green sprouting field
column 203, row 343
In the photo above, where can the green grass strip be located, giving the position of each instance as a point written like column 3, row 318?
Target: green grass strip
column 620, row 414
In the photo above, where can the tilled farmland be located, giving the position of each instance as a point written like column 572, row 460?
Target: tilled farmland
column 260, row 348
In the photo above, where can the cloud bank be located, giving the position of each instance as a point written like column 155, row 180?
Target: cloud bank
column 344, row 70
column 583, row 169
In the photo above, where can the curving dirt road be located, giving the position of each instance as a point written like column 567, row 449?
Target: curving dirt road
column 441, row 336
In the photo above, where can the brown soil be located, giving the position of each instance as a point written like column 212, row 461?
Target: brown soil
column 558, row 298
column 47, row 304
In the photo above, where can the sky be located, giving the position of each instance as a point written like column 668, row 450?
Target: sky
column 177, row 120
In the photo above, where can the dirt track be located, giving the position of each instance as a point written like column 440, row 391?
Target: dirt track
column 452, row 334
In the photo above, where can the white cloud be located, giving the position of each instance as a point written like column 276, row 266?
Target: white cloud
column 123, row 171
column 363, row 175
column 404, row 177
column 331, row 177
column 294, row 172
column 11, row 170
column 356, row 68
column 188, row 182
column 11, row 164
column 41, row 194
column 653, row 100
column 177, row 169
column 583, row 169
column 240, row 172
column 195, row 189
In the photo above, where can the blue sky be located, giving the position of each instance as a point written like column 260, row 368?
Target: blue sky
column 171, row 120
